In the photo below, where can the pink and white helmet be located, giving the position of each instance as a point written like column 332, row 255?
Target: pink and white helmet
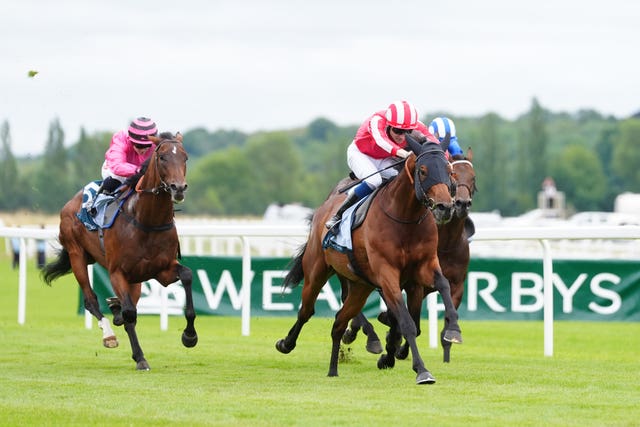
column 141, row 129
column 402, row 115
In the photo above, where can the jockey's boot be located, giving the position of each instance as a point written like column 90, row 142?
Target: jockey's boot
column 109, row 186
column 352, row 197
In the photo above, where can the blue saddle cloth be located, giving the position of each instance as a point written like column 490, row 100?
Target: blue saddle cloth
column 100, row 219
column 339, row 237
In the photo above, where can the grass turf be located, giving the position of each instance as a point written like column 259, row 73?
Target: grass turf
column 53, row 371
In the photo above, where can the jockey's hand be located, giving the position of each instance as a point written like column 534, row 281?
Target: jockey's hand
column 403, row 154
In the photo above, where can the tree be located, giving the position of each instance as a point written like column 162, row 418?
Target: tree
column 533, row 155
column 8, row 171
column 220, row 184
column 626, row 155
column 490, row 164
column 276, row 170
column 578, row 172
column 87, row 157
column 51, row 185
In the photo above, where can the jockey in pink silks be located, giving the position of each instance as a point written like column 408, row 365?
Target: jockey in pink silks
column 128, row 151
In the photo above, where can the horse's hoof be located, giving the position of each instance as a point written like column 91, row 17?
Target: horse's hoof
column 143, row 366
column 349, row 336
column 453, row 336
column 385, row 362
column 110, row 342
column 374, row 347
column 402, row 353
column 189, row 341
column 282, row 347
column 118, row 320
column 425, row 378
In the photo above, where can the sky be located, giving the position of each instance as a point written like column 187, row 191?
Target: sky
column 279, row 64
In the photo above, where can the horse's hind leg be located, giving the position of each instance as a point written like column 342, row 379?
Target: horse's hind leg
column 129, row 296
column 79, row 268
column 351, row 307
column 310, row 291
column 373, row 342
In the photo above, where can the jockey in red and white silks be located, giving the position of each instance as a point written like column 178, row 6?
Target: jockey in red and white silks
column 378, row 143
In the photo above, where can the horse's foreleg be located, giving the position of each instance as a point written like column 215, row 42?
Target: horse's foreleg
column 457, row 291
column 452, row 332
column 189, row 335
column 129, row 296
column 409, row 331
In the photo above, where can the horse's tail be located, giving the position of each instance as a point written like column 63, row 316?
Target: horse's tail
column 295, row 274
column 57, row 268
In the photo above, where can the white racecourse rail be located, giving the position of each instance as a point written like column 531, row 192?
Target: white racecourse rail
column 249, row 235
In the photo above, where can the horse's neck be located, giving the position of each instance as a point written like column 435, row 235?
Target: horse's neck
column 449, row 234
column 149, row 208
column 400, row 197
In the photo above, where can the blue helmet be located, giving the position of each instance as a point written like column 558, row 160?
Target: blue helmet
column 441, row 126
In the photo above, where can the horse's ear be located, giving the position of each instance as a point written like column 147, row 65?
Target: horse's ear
column 414, row 145
column 445, row 142
column 154, row 139
column 179, row 137
column 469, row 154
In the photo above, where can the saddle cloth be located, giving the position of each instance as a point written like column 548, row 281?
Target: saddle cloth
column 106, row 211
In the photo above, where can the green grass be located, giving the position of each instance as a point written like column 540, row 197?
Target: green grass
column 53, row 371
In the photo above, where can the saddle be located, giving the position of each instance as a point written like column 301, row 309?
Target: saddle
column 339, row 237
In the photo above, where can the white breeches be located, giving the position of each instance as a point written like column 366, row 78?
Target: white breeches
column 363, row 165
column 107, row 172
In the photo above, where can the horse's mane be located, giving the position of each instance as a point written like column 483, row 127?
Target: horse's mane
column 458, row 157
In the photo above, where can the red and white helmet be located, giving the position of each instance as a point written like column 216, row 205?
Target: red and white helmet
column 402, row 115
column 141, row 129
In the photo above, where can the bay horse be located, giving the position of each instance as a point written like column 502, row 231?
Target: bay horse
column 395, row 245
column 142, row 244
column 453, row 253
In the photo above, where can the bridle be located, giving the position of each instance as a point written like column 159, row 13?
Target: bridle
column 457, row 184
column 422, row 196
column 163, row 186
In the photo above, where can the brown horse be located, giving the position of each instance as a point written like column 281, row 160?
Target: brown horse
column 453, row 253
column 142, row 244
column 396, row 245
